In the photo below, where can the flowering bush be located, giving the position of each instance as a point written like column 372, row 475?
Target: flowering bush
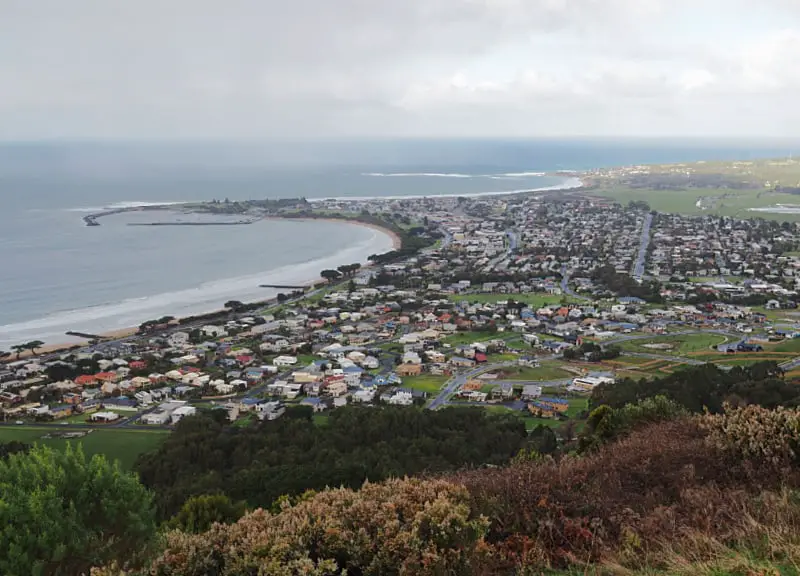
column 396, row 527
column 767, row 436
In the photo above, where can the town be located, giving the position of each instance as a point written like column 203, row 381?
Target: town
column 520, row 304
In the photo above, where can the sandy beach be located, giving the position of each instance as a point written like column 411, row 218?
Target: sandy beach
column 397, row 243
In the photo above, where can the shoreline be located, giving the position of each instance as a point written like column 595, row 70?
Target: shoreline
column 124, row 333
column 397, row 242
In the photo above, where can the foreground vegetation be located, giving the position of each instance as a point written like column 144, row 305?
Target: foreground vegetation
column 686, row 495
column 694, row 473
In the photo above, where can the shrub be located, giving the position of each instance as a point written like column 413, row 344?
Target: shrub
column 767, row 436
column 61, row 513
column 584, row 508
column 396, row 527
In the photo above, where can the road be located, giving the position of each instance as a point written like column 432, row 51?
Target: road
column 676, row 359
column 565, row 285
column 638, row 268
column 456, row 382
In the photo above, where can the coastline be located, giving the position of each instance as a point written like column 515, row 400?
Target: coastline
column 124, row 333
column 397, row 242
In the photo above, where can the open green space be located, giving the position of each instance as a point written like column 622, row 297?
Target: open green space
column 429, row 383
column 116, row 444
column 790, row 345
column 464, row 338
column 718, row 202
column 545, row 372
column 577, row 405
column 320, row 419
column 675, row 345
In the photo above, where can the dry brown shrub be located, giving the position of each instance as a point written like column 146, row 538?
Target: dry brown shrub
column 626, row 497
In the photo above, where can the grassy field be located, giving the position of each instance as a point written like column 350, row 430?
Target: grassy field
column 683, row 344
column 424, row 383
column 462, row 338
column 546, row 372
column 120, row 444
column 792, row 345
column 320, row 419
column 726, row 202
column 577, row 405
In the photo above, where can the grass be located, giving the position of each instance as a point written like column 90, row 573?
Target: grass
column 791, row 345
column 320, row 419
column 429, row 383
column 577, row 405
column 464, row 338
column 679, row 345
column 544, row 373
column 736, row 203
column 118, row 444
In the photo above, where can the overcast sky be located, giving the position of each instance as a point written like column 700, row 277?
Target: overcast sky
column 272, row 69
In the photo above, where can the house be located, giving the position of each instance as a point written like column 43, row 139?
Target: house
column 364, row 396
column 558, row 404
column 248, row 404
column 180, row 413
column 316, row 403
column 401, row 398
column 159, row 418
column 61, row 411
column 85, row 380
column 589, row 383
column 104, row 417
column 459, row 362
column 178, row 339
column 283, row 361
column 352, row 376
column 528, row 361
column 270, row 410
column 503, row 391
column 336, row 388
column 542, row 410
column 531, row 392
column 409, row 370
column 371, row 363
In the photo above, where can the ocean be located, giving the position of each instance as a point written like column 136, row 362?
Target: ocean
column 58, row 274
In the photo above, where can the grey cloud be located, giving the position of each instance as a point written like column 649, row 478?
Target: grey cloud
column 264, row 69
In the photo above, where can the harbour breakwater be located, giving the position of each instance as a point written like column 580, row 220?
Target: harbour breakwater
column 236, row 223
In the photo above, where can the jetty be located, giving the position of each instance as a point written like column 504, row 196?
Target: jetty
column 235, row 223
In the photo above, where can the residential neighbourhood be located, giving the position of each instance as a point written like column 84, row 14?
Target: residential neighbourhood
column 523, row 304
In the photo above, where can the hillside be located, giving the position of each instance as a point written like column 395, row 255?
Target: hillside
column 686, row 495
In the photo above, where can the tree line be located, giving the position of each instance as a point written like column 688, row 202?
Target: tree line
column 260, row 463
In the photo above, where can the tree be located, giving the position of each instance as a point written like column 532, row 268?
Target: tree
column 198, row 513
column 331, row 275
column 63, row 513
column 234, row 305
column 33, row 345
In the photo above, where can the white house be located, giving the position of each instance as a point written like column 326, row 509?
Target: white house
column 177, row 339
column 180, row 413
column 402, row 398
column 270, row 410
column 283, row 361
column 155, row 418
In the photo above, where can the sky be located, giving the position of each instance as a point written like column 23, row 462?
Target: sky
column 278, row 69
